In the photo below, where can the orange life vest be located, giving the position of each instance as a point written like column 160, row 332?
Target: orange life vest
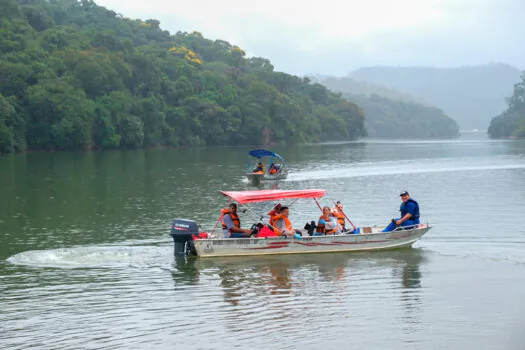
column 340, row 218
column 234, row 216
column 273, row 222
column 321, row 227
column 273, row 171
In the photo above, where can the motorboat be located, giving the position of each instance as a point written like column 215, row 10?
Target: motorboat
column 274, row 170
column 190, row 240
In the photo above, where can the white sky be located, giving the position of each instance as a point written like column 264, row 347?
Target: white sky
column 336, row 37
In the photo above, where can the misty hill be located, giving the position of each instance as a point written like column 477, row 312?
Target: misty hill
column 347, row 85
column 511, row 123
column 391, row 114
column 470, row 95
column 74, row 75
column 386, row 118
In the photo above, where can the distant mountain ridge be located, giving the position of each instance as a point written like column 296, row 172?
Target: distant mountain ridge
column 471, row 95
column 348, row 85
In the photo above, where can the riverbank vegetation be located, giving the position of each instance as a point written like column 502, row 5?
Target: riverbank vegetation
column 511, row 123
column 75, row 75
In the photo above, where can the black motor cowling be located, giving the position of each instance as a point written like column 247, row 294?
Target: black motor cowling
column 182, row 231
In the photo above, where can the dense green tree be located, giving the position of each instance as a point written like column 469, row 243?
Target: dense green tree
column 511, row 123
column 75, row 75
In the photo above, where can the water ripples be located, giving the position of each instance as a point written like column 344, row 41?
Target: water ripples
column 96, row 269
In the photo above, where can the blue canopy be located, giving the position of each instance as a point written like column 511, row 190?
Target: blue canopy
column 261, row 153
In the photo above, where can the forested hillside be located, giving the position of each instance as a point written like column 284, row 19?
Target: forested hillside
column 511, row 123
column 390, row 114
column 386, row 118
column 74, row 75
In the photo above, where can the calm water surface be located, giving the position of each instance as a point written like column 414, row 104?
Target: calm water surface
column 86, row 261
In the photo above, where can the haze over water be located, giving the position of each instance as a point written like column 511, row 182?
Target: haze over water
column 86, row 260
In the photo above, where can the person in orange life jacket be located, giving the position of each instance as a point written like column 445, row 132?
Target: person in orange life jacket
column 273, row 213
column 283, row 224
column 327, row 224
column 231, row 224
column 259, row 168
column 338, row 213
column 409, row 213
column 272, row 169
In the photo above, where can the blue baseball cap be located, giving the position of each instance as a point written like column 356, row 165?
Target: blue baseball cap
column 404, row 193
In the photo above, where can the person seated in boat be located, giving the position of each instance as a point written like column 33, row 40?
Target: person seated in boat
column 259, row 169
column 282, row 225
column 231, row 224
column 274, row 212
column 327, row 224
column 338, row 213
column 272, row 170
column 409, row 213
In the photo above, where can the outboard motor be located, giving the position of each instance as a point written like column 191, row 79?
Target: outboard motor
column 182, row 231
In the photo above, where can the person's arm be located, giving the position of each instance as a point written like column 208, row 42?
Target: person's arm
column 231, row 226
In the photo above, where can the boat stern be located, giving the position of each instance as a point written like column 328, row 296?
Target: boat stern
column 183, row 232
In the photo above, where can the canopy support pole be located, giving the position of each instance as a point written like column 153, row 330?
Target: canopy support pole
column 316, row 202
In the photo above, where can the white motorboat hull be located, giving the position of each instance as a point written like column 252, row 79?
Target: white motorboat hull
column 376, row 240
column 256, row 179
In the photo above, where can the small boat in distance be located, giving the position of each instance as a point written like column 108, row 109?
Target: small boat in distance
column 190, row 240
column 275, row 170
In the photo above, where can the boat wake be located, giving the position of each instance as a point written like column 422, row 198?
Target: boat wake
column 360, row 171
column 99, row 256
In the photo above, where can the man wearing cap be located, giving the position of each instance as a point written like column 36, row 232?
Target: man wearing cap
column 409, row 213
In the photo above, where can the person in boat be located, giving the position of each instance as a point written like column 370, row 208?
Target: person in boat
column 409, row 213
column 282, row 225
column 274, row 212
column 231, row 224
column 327, row 224
column 272, row 170
column 259, row 168
column 338, row 213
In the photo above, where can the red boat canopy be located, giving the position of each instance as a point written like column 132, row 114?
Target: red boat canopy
column 243, row 197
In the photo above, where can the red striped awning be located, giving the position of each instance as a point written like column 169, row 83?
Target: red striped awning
column 243, row 197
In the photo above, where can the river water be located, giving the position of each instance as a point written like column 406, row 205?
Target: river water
column 86, row 261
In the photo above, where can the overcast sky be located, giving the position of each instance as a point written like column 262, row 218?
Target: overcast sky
column 337, row 36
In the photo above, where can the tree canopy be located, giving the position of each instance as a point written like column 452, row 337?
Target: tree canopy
column 75, row 75
column 511, row 123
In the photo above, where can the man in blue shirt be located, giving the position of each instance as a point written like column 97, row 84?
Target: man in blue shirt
column 409, row 213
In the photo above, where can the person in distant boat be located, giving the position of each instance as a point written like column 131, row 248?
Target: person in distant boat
column 282, row 224
column 231, row 224
column 327, row 224
column 338, row 213
column 273, row 169
column 409, row 213
column 259, row 168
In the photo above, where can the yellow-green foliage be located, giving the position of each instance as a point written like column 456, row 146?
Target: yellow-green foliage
column 186, row 53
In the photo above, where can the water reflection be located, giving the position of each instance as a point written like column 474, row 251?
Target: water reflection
column 409, row 272
column 185, row 271
column 282, row 289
